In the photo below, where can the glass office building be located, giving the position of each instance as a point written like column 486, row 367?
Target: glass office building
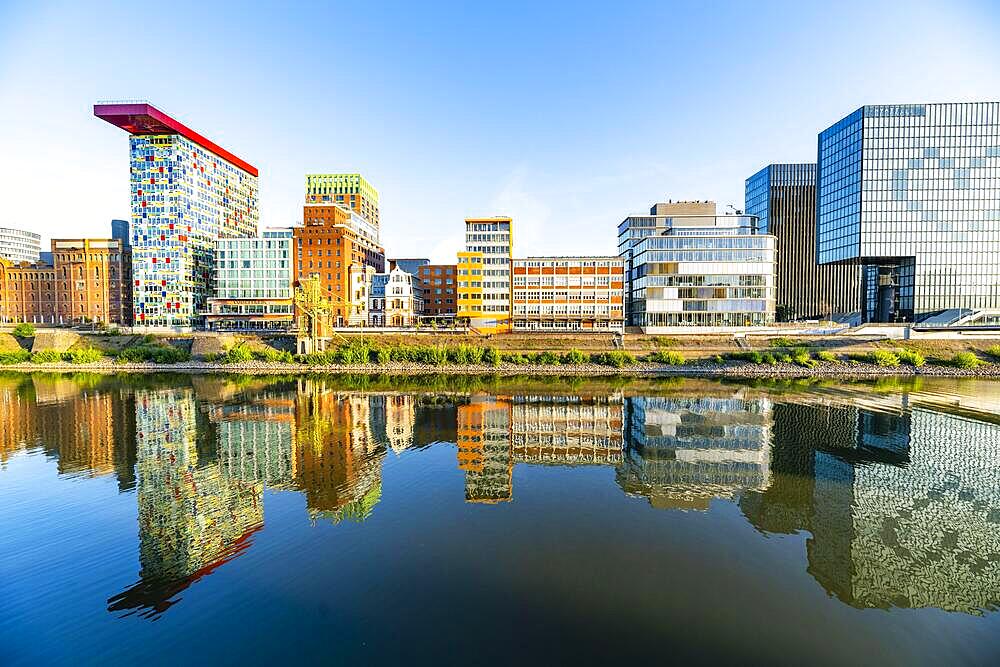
column 911, row 194
column 687, row 266
column 783, row 197
column 17, row 245
column 253, row 283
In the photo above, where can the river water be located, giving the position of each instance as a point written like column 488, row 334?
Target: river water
column 210, row 519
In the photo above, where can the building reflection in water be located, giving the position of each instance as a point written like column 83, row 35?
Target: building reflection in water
column 496, row 432
column 903, row 509
column 685, row 451
column 192, row 518
column 898, row 493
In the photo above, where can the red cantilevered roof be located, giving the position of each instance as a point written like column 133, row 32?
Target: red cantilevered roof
column 144, row 118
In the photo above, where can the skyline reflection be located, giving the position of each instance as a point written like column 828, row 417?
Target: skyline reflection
column 899, row 494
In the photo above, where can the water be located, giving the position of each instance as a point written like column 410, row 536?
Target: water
column 212, row 519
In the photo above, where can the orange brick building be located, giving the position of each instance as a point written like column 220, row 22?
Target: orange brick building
column 342, row 249
column 89, row 281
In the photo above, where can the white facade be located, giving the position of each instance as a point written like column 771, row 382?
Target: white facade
column 395, row 299
column 18, row 245
column 492, row 238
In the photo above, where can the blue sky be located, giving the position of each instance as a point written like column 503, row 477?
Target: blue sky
column 565, row 116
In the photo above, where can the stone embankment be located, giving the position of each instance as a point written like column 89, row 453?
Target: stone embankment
column 733, row 369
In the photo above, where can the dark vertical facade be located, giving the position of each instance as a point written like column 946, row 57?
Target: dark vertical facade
column 910, row 193
column 783, row 197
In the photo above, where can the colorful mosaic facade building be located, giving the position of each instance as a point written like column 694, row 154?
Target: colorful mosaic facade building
column 186, row 193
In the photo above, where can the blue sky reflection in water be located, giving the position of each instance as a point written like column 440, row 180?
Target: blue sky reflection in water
column 230, row 519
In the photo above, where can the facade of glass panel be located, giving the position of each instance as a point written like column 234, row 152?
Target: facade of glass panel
column 911, row 193
column 783, row 197
column 253, row 283
column 18, row 245
column 697, row 270
column 485, row 296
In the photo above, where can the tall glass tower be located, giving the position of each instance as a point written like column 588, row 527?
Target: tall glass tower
column 911, row 194
column 186, row 192
column 783, row 197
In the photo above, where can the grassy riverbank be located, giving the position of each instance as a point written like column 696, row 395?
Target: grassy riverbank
column 776, row 357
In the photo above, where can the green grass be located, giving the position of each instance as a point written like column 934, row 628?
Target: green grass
column 614, row 358
column 237, row 354
column 14, row 357
column 825, row 355
column 84, row 355
column 45, row 357
column 782, row 341
column 994, row 351
column 882, row 358
column 150, row 350
column 575, row 357
column 669, row 357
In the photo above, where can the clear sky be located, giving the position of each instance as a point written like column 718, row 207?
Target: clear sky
column 565, row 116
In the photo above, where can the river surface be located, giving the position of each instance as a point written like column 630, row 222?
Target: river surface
column 209, row 519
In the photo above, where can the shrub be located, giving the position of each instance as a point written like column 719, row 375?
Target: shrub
column 515, row 358
column 782, row 341
column 884, row 358
column 237, row 354
column 476, row 355
column 271, row 355
column 669, row 357
column 24, row 330
column 753, row 356
column 911, row 357
column 965, row 360
column 614, row 358
column 459, row 355
column 84, row 355
column 719, row 360
column 14, row 357
column 383, row 356
column 547, row 358
column 825, row 355
column 575, row 357
column 994, row 352
column 45, row 357
column 767, row 358
column 801, row 357
column 155, row 352
column 492, row 356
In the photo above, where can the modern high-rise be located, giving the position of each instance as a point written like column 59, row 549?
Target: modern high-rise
column 17, row 245
column 186, row 192
column 484, row 285
column 253, row 283
column 783, row 197
column 687, row 266
column 911, row 194
column 352, row 191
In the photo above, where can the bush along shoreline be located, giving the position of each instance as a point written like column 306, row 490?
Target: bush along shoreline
column 151, row 354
